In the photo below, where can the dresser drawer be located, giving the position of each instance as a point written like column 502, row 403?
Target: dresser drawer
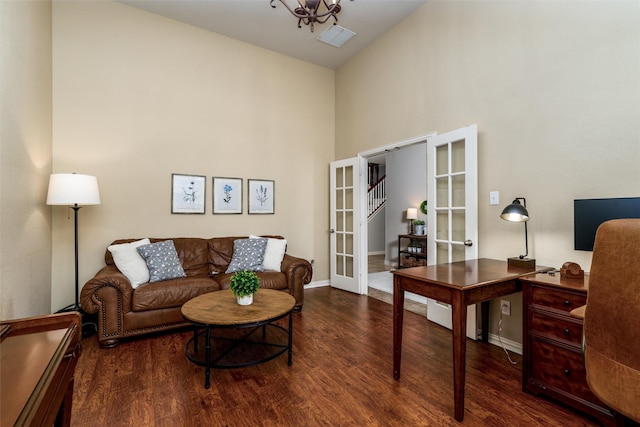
column 558, row 300
column 556, row 328
column 561, row 369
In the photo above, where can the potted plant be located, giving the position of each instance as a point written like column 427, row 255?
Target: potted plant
column 243, row 285
column 418, row 225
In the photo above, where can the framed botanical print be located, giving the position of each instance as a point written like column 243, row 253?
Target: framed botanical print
column 187, row 194
column 227, row 195
column 260, row 196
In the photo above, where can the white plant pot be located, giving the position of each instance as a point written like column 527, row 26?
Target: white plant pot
column 419, row 230
column 246, row 300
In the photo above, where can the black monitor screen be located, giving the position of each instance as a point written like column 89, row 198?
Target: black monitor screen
column 588, row 214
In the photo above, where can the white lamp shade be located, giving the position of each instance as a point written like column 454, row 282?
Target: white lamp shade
column 412, row 213
column 73, row 188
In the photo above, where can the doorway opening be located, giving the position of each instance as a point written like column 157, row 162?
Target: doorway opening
column 403, row 166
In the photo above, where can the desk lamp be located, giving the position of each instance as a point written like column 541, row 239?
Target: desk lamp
column 517, row 212
column 74, row 190
column 412, row 213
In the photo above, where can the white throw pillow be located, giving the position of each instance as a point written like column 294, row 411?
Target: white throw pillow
column 130, row 263
column 274, row 253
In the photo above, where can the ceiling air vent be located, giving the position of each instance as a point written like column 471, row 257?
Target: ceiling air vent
column 336, row 36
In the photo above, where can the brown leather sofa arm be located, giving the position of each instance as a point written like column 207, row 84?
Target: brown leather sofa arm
column 299, row 272
column 109, row 287
column 578, row 312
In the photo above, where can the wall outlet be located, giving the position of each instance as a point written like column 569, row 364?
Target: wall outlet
column 505, row 307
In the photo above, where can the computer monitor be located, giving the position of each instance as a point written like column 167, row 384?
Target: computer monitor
column 588, row 214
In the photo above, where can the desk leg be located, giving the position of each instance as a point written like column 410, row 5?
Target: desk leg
column 484, row 313
column 459, row 330
column 398, row 314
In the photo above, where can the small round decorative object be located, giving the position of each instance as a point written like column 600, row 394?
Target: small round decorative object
column 423, row 207
column 571, row 270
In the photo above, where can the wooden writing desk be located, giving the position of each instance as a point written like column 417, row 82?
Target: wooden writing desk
column 39, row 356
column 460, row 284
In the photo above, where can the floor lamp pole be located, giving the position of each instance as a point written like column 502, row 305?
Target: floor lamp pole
column 75, row 208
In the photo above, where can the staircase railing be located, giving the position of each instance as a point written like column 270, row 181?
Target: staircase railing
column 376, row 197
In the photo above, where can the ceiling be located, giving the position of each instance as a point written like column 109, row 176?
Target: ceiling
column 257, row 23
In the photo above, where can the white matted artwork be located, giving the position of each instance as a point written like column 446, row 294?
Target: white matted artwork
column 261, row 195
column 227, row 195
column 187, row 194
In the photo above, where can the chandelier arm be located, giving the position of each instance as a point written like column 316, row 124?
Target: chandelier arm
column 310, row 15
column 331, row 10
column 322, row 21
column 297, row 15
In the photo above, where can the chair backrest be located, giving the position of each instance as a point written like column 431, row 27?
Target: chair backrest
column 612, row 318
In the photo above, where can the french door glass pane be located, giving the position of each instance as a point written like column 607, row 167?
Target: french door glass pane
column 458, row 218
column 457, row 156
column 458, row 191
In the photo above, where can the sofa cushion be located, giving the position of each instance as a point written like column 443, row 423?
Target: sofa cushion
column 193, row 254
column 248, row 254
column 171, row 293
column 130, row 263
column 162, row 261
column 220, row 253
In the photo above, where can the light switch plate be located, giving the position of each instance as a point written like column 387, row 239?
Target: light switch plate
column 494, row 197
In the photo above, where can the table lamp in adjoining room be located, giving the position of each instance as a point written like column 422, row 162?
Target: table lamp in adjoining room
column 517, row 212
column 412, row 213
column 73, row 190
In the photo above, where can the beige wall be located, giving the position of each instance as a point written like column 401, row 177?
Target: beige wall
column 138, row 97
column 25, row 158
column 553, row 86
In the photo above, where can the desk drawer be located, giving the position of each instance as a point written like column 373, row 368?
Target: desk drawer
column 556, row 328
column 558, row 300
column 561, row 369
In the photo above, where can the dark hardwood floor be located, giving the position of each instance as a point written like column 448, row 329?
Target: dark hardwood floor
column 341, row 376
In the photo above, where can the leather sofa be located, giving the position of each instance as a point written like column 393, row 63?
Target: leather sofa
column 123, row 311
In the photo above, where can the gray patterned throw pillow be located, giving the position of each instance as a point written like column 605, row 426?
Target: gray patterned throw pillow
column 162, row 261
column 248, row 254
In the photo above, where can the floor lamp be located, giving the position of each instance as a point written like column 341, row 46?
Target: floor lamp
column 73, row 190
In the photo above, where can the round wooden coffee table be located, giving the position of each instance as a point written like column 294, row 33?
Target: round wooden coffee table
column 245, row 334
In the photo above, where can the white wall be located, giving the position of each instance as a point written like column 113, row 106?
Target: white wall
column 25, row 158
column 406, row 188
column 375, row 233
column 553, row 87
column 138, row 97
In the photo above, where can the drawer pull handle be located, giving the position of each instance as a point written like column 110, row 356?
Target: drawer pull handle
column 567, row 303
column 566, row 331
column 567, row 372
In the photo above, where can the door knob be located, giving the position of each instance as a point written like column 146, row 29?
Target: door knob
column 332, row 231
column 468, row 243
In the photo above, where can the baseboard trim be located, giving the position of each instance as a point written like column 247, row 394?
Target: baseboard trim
column 317, row 284
column 376, row 253
column 510, row 345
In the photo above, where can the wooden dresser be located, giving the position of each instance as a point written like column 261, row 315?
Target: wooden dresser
column 552, row 345
column 39, row 356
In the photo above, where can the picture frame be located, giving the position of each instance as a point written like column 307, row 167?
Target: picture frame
column 227, row 195
column 188, row 194
column 261, row 196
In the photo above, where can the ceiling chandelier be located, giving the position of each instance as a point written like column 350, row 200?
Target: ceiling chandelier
column 311, row 11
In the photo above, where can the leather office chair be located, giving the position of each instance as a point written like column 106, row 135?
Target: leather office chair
column 612, row 319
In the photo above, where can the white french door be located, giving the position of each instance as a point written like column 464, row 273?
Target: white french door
column 452, row 192
column 345, row 207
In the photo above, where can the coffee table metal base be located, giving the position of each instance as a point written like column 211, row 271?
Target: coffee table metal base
column 235, row 346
